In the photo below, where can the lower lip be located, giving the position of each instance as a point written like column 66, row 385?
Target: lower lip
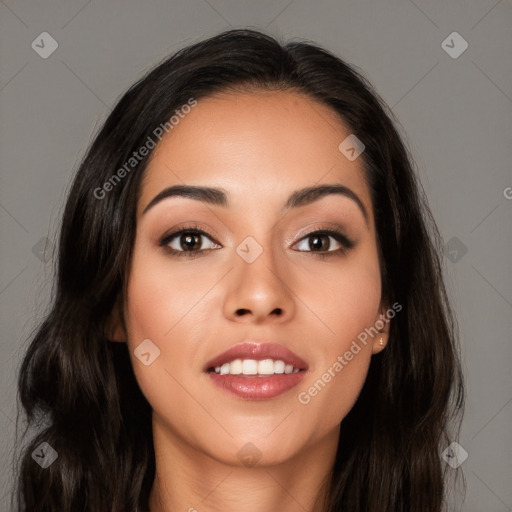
column 255, row 387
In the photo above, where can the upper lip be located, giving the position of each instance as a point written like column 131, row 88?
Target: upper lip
column 258, row 351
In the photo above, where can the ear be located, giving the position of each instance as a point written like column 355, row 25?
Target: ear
column 381, row 326
column 116, row 330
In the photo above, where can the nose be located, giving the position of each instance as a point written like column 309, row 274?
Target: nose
column 259, row 292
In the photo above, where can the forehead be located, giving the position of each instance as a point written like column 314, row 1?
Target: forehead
column 256, row 146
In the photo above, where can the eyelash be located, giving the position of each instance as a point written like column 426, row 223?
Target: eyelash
column 338, row 235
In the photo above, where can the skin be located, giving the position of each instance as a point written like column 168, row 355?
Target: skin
column 259, row 147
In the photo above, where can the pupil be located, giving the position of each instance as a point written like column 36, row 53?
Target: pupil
column 189, row 240
column 317, row 241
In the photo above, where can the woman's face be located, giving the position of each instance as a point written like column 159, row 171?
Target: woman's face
column 256, row 276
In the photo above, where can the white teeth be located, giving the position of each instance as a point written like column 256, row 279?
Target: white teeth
column 249, row 367
column 253, row 367
column 235, row 367
column 266, row 367
column 278, row 366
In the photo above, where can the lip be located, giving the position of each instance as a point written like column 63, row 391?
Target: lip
column 253, row 387
column 257, row 387
column 257, row 351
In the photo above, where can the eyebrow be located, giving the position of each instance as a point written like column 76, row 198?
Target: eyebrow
column 218, row 196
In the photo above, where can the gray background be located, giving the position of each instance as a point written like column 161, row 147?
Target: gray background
column 456, row 116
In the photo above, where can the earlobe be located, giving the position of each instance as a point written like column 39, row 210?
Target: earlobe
column 382, row 324
column 379, row 343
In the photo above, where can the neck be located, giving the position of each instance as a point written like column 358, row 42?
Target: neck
column 189, row 480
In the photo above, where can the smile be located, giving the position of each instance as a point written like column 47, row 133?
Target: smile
column 254, row 367
column 255, row 371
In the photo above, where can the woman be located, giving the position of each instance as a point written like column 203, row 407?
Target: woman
column 249, row 311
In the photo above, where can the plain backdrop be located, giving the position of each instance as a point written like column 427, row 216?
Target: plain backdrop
column 454, row 104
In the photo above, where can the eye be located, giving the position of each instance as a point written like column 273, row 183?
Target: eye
column 319, row 243
column 188, row 242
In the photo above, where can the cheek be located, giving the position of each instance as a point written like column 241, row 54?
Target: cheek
column 161, row 296
column 345, row 296
column 165, row 307
column 160, row 304
column 341, row 358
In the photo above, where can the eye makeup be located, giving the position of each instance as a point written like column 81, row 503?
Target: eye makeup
column 193, row 233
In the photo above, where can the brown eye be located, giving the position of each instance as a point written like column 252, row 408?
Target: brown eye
column 189, row 241
column 320, row 242
column 325, row 243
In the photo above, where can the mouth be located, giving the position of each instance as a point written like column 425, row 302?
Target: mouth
column 254, row 371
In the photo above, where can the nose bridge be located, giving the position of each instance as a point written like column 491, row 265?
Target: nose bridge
column 259, row 280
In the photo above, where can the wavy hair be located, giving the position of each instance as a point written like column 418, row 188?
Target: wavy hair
column 78, row 390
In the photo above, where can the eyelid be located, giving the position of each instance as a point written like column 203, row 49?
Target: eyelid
column 188, row 226
column 175, row 232
column 329, row 228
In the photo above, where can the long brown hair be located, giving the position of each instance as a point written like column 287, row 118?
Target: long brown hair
column 79, row 391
